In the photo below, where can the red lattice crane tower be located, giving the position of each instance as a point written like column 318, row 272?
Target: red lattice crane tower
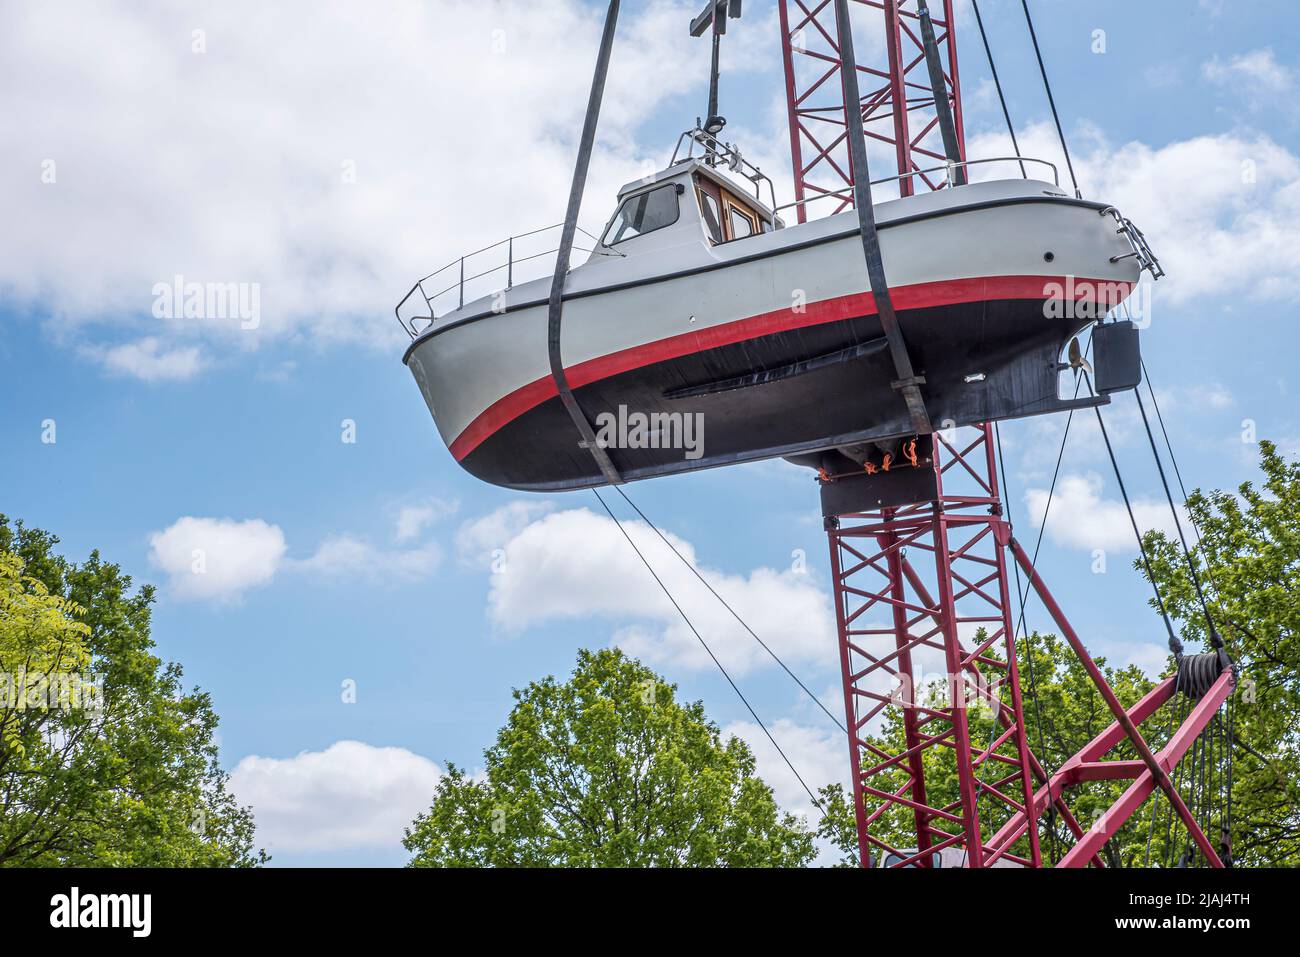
column 815, row 96
column 926, row 632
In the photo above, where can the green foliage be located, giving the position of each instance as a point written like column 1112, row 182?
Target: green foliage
column 1071, row 713
column 608, row 769
column 1250, row 569
column 132, row 780
column 1249, row 566
column 40, row 640
column 839, row 826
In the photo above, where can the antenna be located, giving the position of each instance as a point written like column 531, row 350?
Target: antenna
column 715, row 15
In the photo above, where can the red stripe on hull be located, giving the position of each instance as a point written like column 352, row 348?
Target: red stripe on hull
column 919, row 296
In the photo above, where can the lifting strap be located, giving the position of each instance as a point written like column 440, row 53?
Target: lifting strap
column 908, row 382
column 555, row 310
column 942, row 108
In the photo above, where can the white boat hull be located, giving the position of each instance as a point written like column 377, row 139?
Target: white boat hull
column 987, row 282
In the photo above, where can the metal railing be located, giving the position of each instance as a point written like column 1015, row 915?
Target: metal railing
column 718, row 153
column 420, row 308
column 948, row 169
column 1137, row 242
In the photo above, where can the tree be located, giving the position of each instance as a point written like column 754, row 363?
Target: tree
column 608, row 769
column 105, row 760
column 1248, row 564
column 1070, row 713
column 40, row 640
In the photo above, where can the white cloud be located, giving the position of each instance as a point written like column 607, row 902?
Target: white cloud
column 1038, row 439
column 236, row 163
column 480, row 538
column 1287, row 445
column 351, row 795
column 412, row 520
column 345, row 556
column 149, row 360
column 576, row 564
column 1150, row 657
column 820, row 755
column 1080, row 517
column 1211, row 395
column 1256, row 75
column 1222, row 212
column 217, row 558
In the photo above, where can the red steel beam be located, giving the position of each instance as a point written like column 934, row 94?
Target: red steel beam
column 963, row 538
column 963, row 533
column 897, row 106
column 1121, row 716
column 1137, row 793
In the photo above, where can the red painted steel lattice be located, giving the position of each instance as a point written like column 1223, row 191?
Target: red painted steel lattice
column 897, row 99
column 923, row 604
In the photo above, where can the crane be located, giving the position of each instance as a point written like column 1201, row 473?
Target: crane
column 932, row 548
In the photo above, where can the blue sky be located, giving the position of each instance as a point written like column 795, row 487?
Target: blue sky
column 369, row 560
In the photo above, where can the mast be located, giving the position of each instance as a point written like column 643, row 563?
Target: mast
column 714, row 19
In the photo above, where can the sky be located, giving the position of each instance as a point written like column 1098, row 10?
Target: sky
column 366, row 606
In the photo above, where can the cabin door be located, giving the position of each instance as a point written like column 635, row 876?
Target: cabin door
column 741, row 220
column 712, row 208
column 726, row 215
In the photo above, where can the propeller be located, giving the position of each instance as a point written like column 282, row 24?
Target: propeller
column 1077, row 361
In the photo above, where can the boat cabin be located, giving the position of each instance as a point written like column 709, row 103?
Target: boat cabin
column 690, row 200
column 685, row 307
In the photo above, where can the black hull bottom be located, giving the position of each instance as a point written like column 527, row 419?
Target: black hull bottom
column 982, row 361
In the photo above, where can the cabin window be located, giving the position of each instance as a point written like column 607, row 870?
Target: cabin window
column 644, row 213
column 726, row 216
column 712, row 213
column 742, row 223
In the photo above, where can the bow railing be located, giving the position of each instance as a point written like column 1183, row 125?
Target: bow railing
column 483, row 272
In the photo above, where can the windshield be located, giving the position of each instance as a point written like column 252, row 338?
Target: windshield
column 644, row 213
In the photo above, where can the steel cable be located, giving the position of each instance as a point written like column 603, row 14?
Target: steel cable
column 997, row 83
column 696, row 572
column 705, row 645
column 1056, row 117
column 1175, row 646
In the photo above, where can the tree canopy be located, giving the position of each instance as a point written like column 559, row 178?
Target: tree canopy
column 1070, row 713
column 105, row 759
column 608, row 769
column 1248, row 561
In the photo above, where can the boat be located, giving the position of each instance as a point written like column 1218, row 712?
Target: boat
column 702, row 330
